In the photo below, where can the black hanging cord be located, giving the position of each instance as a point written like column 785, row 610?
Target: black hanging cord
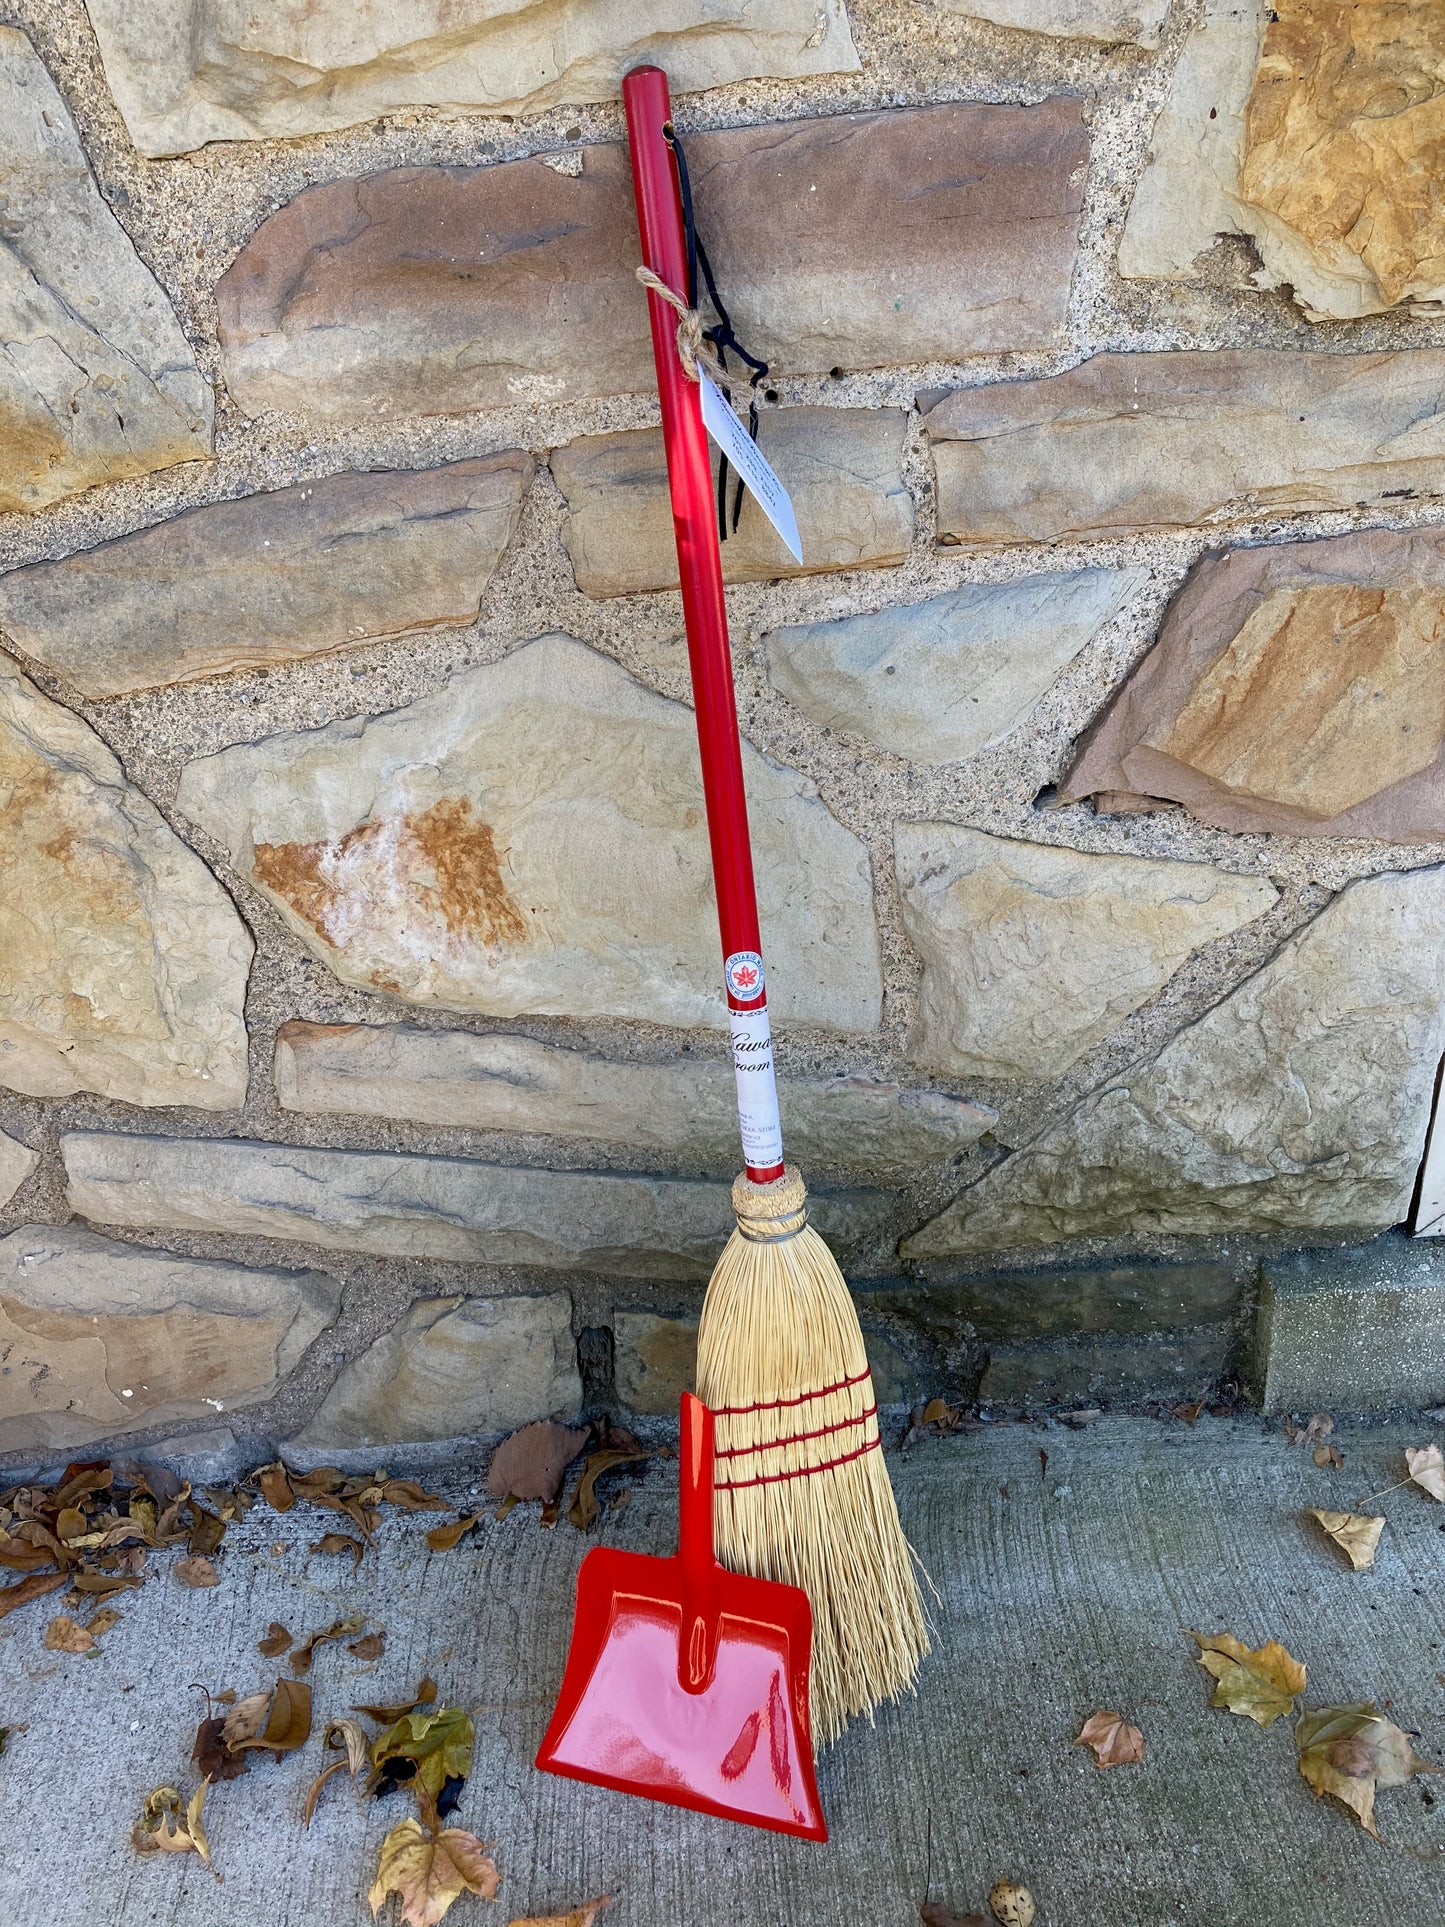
column 721, row 333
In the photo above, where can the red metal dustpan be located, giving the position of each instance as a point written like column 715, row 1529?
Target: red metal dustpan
column 686, row 1682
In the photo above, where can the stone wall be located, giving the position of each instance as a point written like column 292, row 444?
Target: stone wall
column 361, row 1072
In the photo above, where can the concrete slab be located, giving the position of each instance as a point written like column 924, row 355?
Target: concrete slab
column 1360, row 1329
column 1064, row 1586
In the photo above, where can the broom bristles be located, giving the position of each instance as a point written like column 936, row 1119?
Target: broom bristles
column 782, row 1365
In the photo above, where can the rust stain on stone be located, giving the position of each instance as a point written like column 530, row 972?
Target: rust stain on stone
column 437, row 865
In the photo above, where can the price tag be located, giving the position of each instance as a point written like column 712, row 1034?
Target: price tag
column 742, row 451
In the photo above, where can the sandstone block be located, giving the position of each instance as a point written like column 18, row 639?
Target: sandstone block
column 655, row 1360
column 1358, row 1330
column 97, row 380
column 531, row 838
column 1293, row 689
column 17, row 1161
column 408, row 1206
column 840, row 465
column 500, row 1083
column 1157, row 441
column 1139, row 21
column 937, row 681
column 267, row 578
column 123, row 963
column 98, row 1337
column 435, row 290
column 452, row 1368
column 191, row 71
column 1299, row 1101
column 1031, row 955
column 1306, row 125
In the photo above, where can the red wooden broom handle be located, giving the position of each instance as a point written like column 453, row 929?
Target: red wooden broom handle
column 699, row 561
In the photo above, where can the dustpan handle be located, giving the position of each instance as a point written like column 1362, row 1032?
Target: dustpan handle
column 695, row 1487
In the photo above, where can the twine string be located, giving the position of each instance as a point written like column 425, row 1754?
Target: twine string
column 694, row 350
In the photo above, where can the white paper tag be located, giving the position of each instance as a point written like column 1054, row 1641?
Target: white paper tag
column 762, row 1133
column 742, row 451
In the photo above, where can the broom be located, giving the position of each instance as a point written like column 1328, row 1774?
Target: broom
column 802, row 1493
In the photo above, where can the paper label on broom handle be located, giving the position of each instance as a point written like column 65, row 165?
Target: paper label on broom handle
column 762, row 1133
column 746, row 457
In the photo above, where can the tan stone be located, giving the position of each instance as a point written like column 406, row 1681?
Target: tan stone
column 442, row 289
column 123, row 963
column 1139, row 21
column 452, row 1368
column 257, row 580
column 185, row 72
column 1299, row 1102
column 495, row 1082
column 1293, row 689
column 1031, row 955
column 1311, row 126
column 530, row 838
column 655, row 1360
column 17, row 1161
column 99, row 1337
column 97, row 380
column 940, row 680
column 1159, row 441
column 405, row 1206
column 841, row 467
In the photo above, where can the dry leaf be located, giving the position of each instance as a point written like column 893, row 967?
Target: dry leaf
column 423, row 1750
column 411, row 1497
column 1357, row 1535
column 1319, row 1427
column 343, row 1736
column 275, row 1484
column 300, row 1660
column 369, row 1646
column 158, row 1830
column 428, row 1869
column 337, row 1542
column 425, row 1693
column 1261, row 1683
column 582, row 1916
column 933, row 1913
column 585, row 1505
column 1189, row 1412
column 212, row 1755
column 101, row 1622
column 1328, row 1455
column 1350, row 1751
column 1427, row 1469
column 36, row 1586
column 98, row 1585
column 276, row 1642
column 64, row 1635
column 245, row 1719
column 532, row 1463
column 443, row 1538
column 1011, row 1904
column 196, row 1573
column 1114, row 1740
column 278, row 1721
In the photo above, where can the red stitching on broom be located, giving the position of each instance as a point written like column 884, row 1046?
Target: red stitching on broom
column 801, row 1472
column 794, row 1438
column 777, row 1404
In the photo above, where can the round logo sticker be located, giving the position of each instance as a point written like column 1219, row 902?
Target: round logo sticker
column 744, row 974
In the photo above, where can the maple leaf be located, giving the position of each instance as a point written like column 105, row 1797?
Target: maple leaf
column 196, row 1572
column 1261, row 1683
column 582, row 1916
column 66, row 1635
column 428, row 1866
column 1349, row 1752
column 425, row 1749
column 1357, row 1535
column 1427, row 1469
column 1114, row 1740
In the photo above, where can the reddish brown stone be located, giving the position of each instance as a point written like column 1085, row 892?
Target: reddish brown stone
column 849, row 240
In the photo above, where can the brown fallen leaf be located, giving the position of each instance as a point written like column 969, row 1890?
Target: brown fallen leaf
column 1427, row 1469
column 338, row 1542
column 443, row 1538
column 158, row 1830
column 933, row 1913
column 99, row 1585
column 36, row 1586
column 411, row 1497
column 19, row 1555
column 1189, row 1412
column 1260, row 1683
column 276, row 1642
column 425, row 1694
column 428, row 1866
column 585, row 1505
column 532, row 1462
column 300, row 1660
column 346, row 1737
column 206, row 1531
column 65, row 1635
column 278, row 1721
column 197, row 1573
column 1349, row 1752
column 1320, row 1426
column 212, row 1755
column 369, row 1646
column 100, row 1623
column 1357, row 1535
column 1114, row 1741
column 582, row 1916
column 1011, row 1904
column 1328, row 1455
